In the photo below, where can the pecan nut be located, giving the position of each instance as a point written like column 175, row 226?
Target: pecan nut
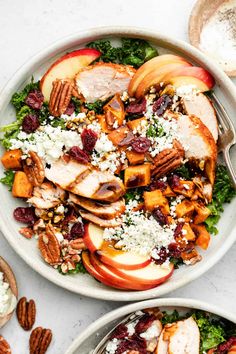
column 62, row 91
column 26, row 313
column 34, row 169
column 168, row 160
column 4, row 346
column 49, row 246
column 27, row 232
column 40, row 340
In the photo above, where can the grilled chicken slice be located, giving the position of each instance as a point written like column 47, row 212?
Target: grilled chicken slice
column 180, row 337
column 104, row 211
column 99, row 221
column 198, row 144
column 200, row 106
column 46, row 196
column 102, row 80
column 85, row 180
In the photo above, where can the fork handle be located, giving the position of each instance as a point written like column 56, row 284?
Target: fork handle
column 229, row 165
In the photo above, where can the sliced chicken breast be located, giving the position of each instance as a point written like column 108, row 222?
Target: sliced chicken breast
column 99, row 221
column 85, row 180
column 46, row 196
column 198, row 144
column 200, row 106
column 102, row 80
column 162, row 346
column 104, row 211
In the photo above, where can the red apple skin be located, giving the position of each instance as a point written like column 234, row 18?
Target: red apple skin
column 196, row 72
column 88, row 240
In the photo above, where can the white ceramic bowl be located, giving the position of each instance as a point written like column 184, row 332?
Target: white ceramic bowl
column 89, row 338
column 27, row 249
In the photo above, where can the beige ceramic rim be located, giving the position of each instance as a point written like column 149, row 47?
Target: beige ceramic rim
column 125, row 310
column 43, row 57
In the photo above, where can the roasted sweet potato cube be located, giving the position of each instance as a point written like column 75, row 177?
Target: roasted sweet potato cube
column 168, row 192
column 185, row 208
column 22, row 188
column 102, row 121
column 202, row 236
column 11, row 159
column 137, row 176
column 156, row 199
column 202, row 212
column 137, row 124
column 186, row 188
column 188, row 233
column 117, row 135
column 135, row 158
column 114, row 111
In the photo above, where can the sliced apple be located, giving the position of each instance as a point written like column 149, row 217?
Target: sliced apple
column 93, row 237
column 156, row 76
column 153, row 64
column 120, row 259
column 193, row 75
column 67, row 66
column 153, row 274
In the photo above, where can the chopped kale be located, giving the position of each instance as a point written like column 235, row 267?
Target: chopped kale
column 79, row 268
column 155, row 130
column 176, row 261
column 96, row 106
column 184, row 171
column 170, row 317
column 77, row 103
column 8, row 179
column 132, row 194
column 58, row 122
column 18, row 99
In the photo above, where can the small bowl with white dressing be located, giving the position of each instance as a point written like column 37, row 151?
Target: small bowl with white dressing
column 8, row 292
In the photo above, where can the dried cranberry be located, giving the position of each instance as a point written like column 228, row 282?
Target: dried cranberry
column 161, row 104
column 120, row 332
column 35, row 99
column 144, row 323
column 136, row 343
column 25, row 215
column 157, row 184
column 127, row 140
column 161, row 218
column 77, row 230
column 30, row 123
column 174, row 250
column 174, row 181
column 178, row 229
column 163, row 254
column 136, row 107
column 79, row 155
column 70, row 109
column 140, row 144
column 89, row 138
column 224, row 347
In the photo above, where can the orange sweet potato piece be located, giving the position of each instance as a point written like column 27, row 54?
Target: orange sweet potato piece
column 185, row 208
column 192, row 256
column 156, row 199
column 137, row 123
column 102, row 121
column 168, row 192
column 22, row 188
column 137, row 176
column 135, row 158
column 114, row 111
column 12, row 159
column 203, row 236
column 202, row 212
column 188, row 233
column 186, row 188
column 117, row 135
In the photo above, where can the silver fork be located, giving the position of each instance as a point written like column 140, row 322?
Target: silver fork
column 227, row 136
column 100, row 348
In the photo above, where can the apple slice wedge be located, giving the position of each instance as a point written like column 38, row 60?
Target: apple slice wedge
column 153, row 64
column 121, row 259
column 93, row 237
column 66, row 67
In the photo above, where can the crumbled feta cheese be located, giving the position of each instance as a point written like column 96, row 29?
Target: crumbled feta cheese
column 112, row 346
column 186, row 91
column 151, row 332
column 7, row 299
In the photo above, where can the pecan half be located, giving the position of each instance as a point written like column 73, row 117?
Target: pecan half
column 34, row 169
column 60, row 96
column 49, row 245
column 4, row 346
column 40, row 339
column 168, row 160
column 26, row 313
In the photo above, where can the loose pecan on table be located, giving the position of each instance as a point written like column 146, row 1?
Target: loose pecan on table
column 26, row 313
column 40, row 339
column 168, row 160
column 34, row 169
column 49, row 245
column 60, row 97
column 4, row 346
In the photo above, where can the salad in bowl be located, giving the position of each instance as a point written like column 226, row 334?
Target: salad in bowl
column 114, row 151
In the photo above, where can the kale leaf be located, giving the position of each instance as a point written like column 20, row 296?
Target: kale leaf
column 77, row 103
column 183, row 171
column 223, row 192
column 18, row 99
column 131, row 52
column 155, row 130
column 132, row 194
column 8, row 179
column 96, row 106
column 170, row 317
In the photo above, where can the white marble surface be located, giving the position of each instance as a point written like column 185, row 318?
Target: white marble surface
column 27, row 27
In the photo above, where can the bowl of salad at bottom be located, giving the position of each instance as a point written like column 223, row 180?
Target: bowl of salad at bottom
column 168, row 325
column 110, row 153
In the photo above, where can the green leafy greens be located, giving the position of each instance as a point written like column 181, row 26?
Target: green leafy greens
column 96, row 106
column 155, row 130
column 8, row 179
column 170, row 317
column 131, row 52
column 223, row 192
